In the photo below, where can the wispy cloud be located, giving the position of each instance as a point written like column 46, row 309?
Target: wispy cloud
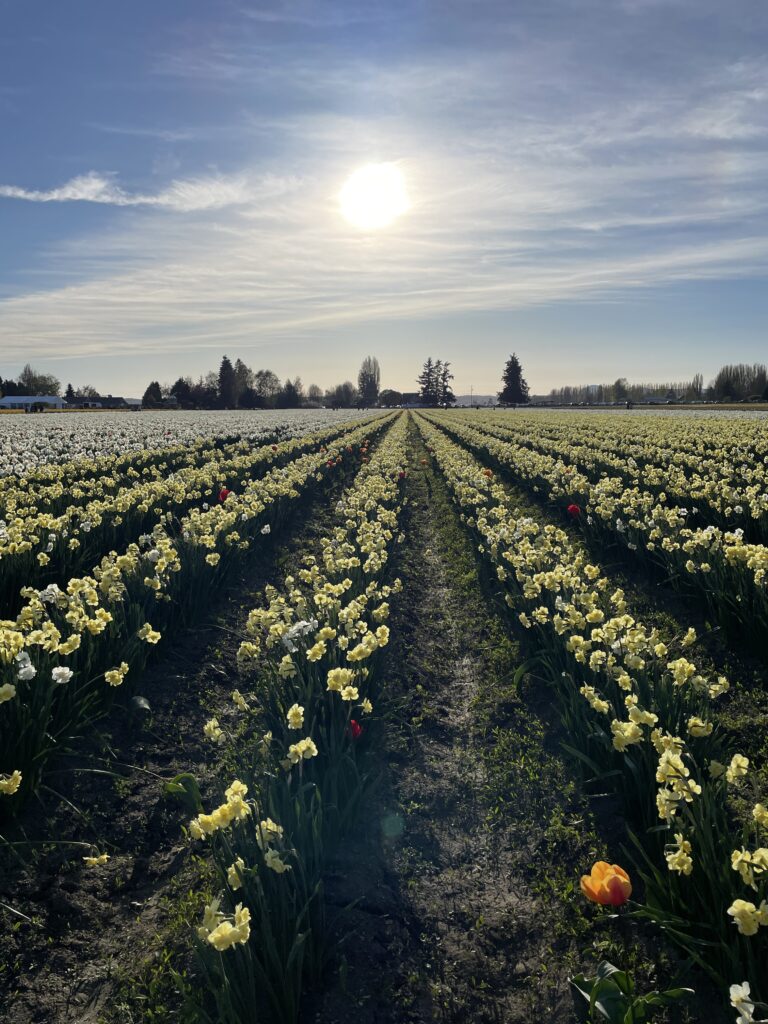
column 184, row 196
column 161, row 134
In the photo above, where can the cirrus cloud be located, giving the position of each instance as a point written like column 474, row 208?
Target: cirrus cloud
column 183, row 195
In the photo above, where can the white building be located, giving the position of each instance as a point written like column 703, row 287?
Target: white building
column 29, row 402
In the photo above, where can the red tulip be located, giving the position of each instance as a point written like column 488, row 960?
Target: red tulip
column 224, row 493
column 354, row 729
column 574, row 511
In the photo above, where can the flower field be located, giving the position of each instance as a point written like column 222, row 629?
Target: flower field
column 411, row 716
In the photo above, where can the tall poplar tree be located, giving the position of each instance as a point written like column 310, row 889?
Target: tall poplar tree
column 368, row 381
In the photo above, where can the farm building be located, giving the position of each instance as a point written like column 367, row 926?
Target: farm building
column 30, row 402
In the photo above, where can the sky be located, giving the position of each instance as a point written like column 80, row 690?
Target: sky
column 588, row 187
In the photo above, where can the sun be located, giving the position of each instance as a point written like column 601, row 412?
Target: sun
column 373, row 196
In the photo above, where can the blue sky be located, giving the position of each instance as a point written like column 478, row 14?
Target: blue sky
column 588, row 183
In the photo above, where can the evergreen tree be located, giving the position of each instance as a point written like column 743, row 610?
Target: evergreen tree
column 436, row 386
column 445, row 395
column 153, row 396
column 434, row 383
column 69, row 394
column 515, row 387
column 227, row 384
column 427, row 382
column 368, row 381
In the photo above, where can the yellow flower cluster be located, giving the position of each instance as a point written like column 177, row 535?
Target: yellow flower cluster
column 91, row 612
column 649, row 500
column 221, row 931
column 235, row 808
column 307, row 644
column 9, row 784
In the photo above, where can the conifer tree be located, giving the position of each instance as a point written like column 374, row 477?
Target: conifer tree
column 445, row 394
column 227, row 384
column 153, row 396
column 427, row 383
column 514, row 386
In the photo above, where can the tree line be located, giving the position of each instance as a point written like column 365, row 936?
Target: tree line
column 30, row 382
column 237, row 386
column 734, row 382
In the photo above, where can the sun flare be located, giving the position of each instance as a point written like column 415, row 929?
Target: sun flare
column 373, row 196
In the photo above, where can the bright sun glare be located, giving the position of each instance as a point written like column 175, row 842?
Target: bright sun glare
column 373, row 196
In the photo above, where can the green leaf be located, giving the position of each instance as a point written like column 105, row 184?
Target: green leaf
column 185, row 789
column 524, row 669
column 609, row 1001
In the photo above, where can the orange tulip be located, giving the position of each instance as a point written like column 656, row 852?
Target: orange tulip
column 607, row 884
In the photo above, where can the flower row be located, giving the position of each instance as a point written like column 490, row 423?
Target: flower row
column 716, row 565
column 40, row 547
column 640, row 715
column 99, row 626
column 299, row 730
